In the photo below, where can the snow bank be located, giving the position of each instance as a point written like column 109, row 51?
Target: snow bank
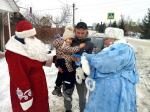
column 141, row 46
column 5, row 103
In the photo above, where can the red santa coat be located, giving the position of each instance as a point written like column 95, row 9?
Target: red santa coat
column 28, row 87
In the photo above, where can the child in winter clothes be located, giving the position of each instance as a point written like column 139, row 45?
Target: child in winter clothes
column 65, row 63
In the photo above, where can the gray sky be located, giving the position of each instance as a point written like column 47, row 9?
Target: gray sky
column 92, row 11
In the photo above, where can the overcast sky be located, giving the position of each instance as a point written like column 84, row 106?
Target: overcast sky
column 91, row 11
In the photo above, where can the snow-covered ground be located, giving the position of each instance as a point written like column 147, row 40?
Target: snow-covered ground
column 5, row 104
column 56, row 103
column 142, row 48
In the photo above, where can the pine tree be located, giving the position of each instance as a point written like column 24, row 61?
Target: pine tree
column 114, row 24
column 102, row 27
column 146, row 26
column 122, row 23
column 97, row 27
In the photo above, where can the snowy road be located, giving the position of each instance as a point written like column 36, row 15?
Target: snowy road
column 56, row 103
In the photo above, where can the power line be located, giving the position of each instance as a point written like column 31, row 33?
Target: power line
column 61, row 2
column 23, row 8
column 39, row 10
column 48, row 9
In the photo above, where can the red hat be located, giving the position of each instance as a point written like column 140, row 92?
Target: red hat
column 24, row 29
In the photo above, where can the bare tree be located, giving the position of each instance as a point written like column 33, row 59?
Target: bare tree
column 33, row 18
column 45, row 21
column 64, row 18
column 48, row 20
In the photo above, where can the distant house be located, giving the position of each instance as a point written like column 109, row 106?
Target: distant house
column 6, row 7
column 90, row 27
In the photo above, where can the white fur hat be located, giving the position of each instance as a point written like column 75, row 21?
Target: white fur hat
column 114, row 33
column 69, row 32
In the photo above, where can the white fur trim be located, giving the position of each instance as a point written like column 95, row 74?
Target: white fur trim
column 90, row 84
column 27, row 33
column 33, row 49
column 114, row 33
column 26, row 105
column 121, row 41
column 36, row 49
column 124, row 42
column 15, row 46
column 85, row 65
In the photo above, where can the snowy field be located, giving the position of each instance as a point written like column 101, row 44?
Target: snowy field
column 142, row 48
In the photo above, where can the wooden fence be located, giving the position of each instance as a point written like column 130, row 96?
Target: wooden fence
column 46, row 34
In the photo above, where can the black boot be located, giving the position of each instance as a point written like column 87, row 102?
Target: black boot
column 57, row 91
column 67, row 94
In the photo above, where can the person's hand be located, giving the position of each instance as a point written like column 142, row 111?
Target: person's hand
column 60, row 69
column 75, row 59
column 2, row 54
column 82, row 45
column 49, row 62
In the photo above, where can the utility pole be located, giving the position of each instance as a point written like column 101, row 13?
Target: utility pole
column 30, row 10
column 30, row 14
column 73, row 14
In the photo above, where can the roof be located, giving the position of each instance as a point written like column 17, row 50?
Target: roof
column 8, row 6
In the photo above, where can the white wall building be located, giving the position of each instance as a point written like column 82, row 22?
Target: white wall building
column 6, row 7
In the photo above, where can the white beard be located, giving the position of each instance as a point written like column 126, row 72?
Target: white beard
column 36, row 49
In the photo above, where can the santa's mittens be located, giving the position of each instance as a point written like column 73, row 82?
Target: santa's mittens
column 25, row 98
column 85, row 65
column 79, row 75
column 90, row 84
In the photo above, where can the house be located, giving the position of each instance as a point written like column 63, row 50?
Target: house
column 6, row 7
